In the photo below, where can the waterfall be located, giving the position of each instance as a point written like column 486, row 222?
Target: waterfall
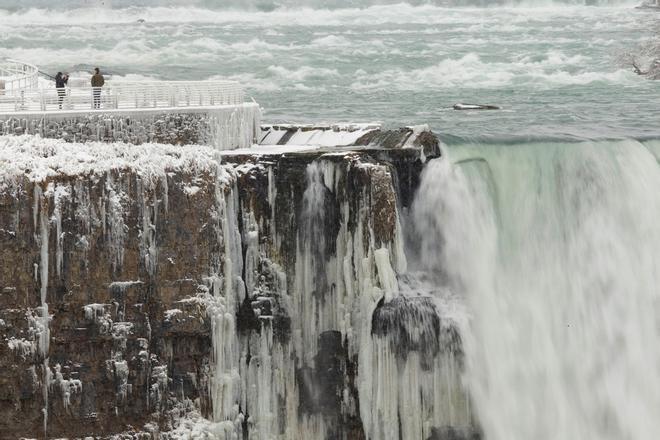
column 555, row 249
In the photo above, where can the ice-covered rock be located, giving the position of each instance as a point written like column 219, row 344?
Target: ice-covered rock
column 234, row 296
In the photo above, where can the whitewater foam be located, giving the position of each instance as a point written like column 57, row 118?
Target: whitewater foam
column 555, row 249
column 552, row 68
column 304, row 14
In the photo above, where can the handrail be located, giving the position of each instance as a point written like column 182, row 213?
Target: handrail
column 137, row 95
column 16, row 77
column 46, row 75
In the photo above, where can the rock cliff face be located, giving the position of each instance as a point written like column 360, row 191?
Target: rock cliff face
column 168, row 291
column 95, row 259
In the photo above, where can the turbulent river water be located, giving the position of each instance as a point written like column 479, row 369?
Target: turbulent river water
column 551, row 66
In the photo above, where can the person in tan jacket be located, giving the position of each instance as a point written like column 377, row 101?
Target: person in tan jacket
column 97, row 83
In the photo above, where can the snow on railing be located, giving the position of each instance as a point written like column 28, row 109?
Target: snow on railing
column 17, row 77
column 126, row 95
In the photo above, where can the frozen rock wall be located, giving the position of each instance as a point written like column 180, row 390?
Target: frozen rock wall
column 98, row 253
column 153, row 289
column 224, row 128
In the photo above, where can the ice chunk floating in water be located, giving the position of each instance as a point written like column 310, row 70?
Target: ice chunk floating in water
column 556, row 248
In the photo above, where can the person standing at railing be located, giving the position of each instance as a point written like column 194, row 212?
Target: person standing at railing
column 97, row 83
column 61, row 79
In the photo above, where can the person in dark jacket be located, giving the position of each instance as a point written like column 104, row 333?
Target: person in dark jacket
column 61, row 79
column 97, row 83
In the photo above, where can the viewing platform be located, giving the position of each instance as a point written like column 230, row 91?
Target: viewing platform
column 213, row 112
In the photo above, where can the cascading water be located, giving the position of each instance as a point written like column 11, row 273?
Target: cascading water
column 556, row 251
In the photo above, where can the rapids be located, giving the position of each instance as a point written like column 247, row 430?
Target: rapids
column 551, row 65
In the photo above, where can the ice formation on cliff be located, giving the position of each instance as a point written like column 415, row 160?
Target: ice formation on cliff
column 47, row 165
column 316, row 327
column 337, row 287
column 221, row 127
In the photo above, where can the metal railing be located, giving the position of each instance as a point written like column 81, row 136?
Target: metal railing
column 17, row 77
column 126, row 95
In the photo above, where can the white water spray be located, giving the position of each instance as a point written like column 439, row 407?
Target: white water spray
column 556, row 248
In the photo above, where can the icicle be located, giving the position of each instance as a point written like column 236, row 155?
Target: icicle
column 22, row 347
column 66, row 387
column 44, row 336
column 116, row 228
column 251, row 254
column 43, row 267
column 386, row 274
column 221, row 309
column 148, row 247
column 234, row 127
column 36, row 208
column 60, row 193
column 272, row 196
column 316, row 299
column 166, row 201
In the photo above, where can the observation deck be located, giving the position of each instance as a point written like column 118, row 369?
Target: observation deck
column 28, row 105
